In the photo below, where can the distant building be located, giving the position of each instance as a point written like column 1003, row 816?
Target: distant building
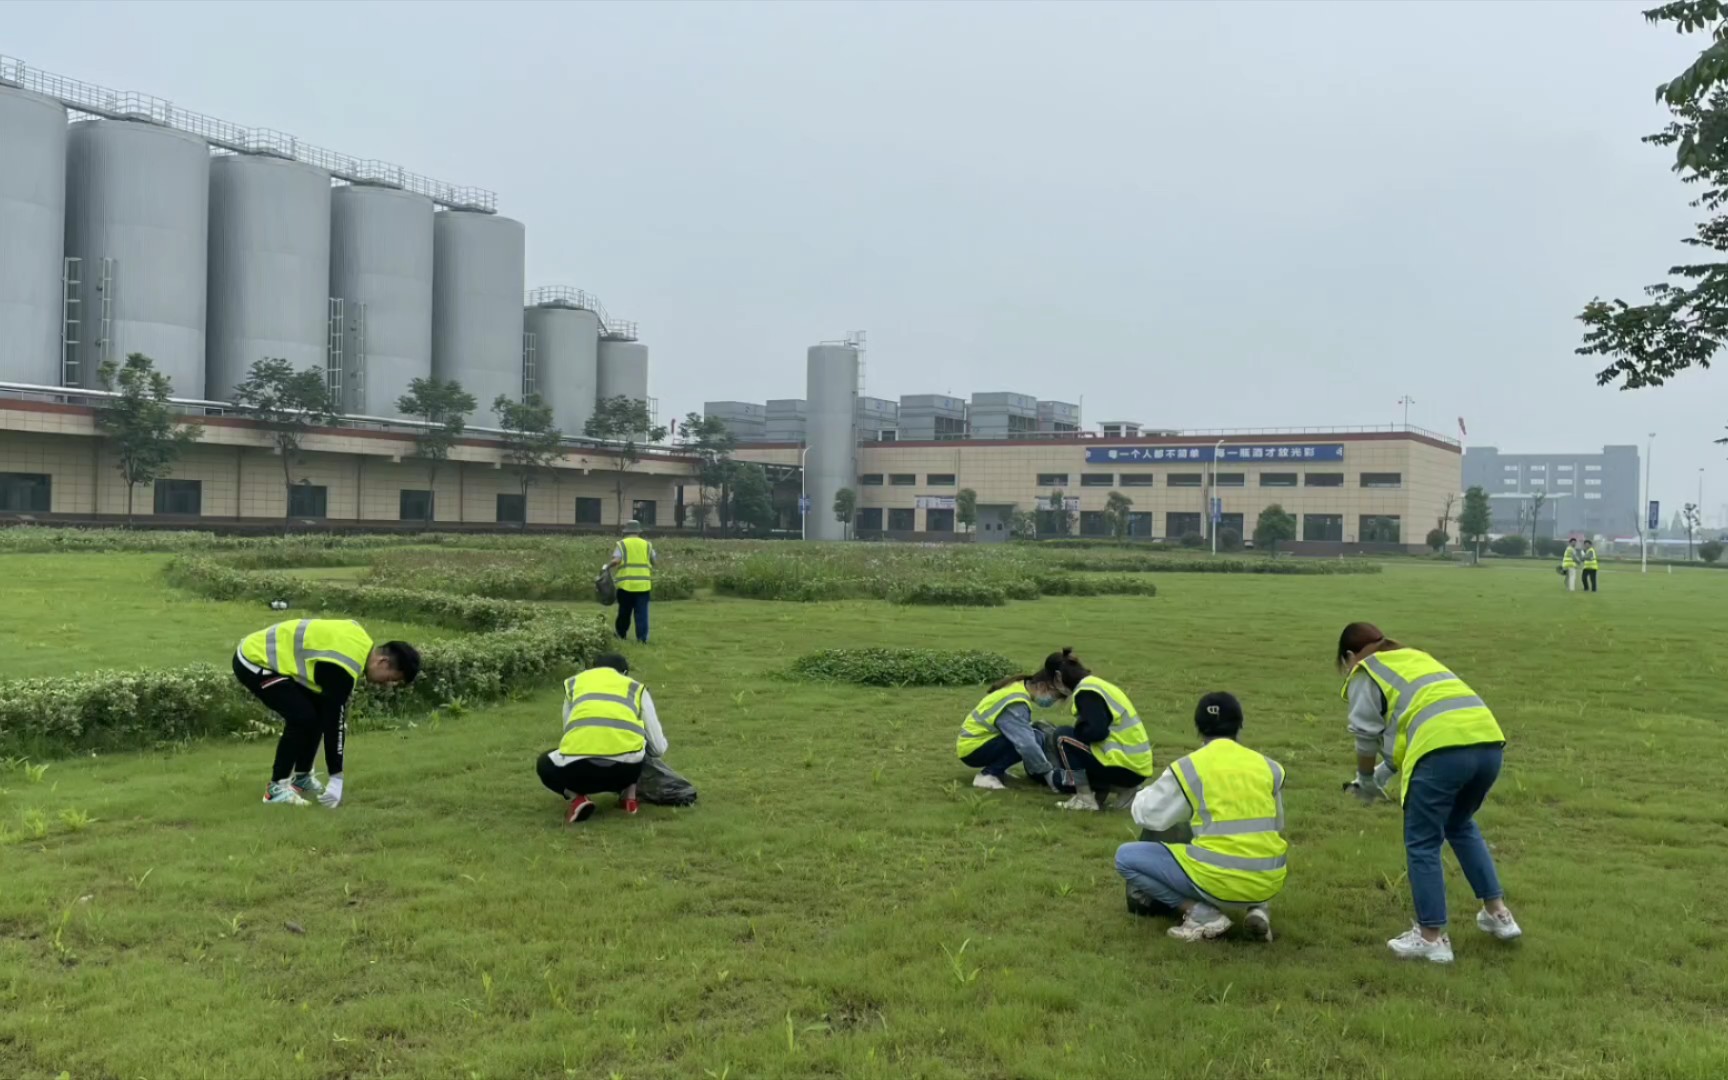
column 1593, row 494
column 1002, row 416
column 932, row 418
column 1058, row 417
column 786, row 420
column 746, row 420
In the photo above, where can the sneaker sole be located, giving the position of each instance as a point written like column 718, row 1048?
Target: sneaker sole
column 1259, row 928
column 1493, row 931
column 583, row 813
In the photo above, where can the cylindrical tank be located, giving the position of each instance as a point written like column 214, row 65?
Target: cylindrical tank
column 566, row 354
column 381, row 270
column 479, row 268
column 831, row 434
column 32, row 236
column 137, row 214
column 622, row 370
column 269, row 267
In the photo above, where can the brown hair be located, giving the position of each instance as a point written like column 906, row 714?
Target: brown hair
column 1359, row 636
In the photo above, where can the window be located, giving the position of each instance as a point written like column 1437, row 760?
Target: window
column 1380, row 529
column 1176, row 526
column 588, row 510
column 308, row 501
column 870, row 519
column 939, row 521
column 1322, row 526
column 1323, row 479
column 904, row 520
column 940, row 479
column 1592, row 481
column 1510, row 468
column 179, row 496
column 1097, row 479
column 1538, row 468
column 646, row 511
column 1565, row 468
column 1592, row 494
column 512, row 508
column 1094, row 523
column 873, row 479
column 1382, row 480
column 903, row 479
column 1231, row 521
column 25, row 492
column 1592, row 468
column 1510, row 481
column 1185, row 480
column 1277, row 479
column 1139, row 523
column 1230, row 479
column 1135, row 479
column 1053, row 479
column 414, row 505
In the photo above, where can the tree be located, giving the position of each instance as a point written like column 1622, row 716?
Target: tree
column 1116, row 508
column 1229, row 539
column 531, row 443
column 1710, row 550
column 966, row 508
column 752, row 499
column 1437, row 539
column 148, row 435
column 1475, row 522
column 1512, row 545
column 289, row 403
column 1056, row 515
column 712, row 442
column 1444, row 525
column 1023, row 524
column 621, row 423
column 444, row 407
column 1536, row 501
column 1683, row 322
column 845, row 509
column 1275, row 524
column 1693, row 519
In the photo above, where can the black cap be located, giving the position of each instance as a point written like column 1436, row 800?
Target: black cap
column 1219, row 715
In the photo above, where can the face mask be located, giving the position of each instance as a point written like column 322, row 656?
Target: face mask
column 1045, row 700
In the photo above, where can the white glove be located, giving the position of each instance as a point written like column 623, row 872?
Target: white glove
column 332, row 796
column 1384, row 775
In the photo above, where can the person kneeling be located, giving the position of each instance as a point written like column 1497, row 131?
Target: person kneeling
column 610, row 728
column 1233, row 800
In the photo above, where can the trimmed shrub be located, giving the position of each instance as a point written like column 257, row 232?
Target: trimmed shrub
column 1510, row 547
column 1550, row 548
column 1710, row 550
column 1193, row 540
column 1176, row 564
column 1094, row 585
column 1229, row 540
column 955, row 593
column 1437, row 540
column 904, row 667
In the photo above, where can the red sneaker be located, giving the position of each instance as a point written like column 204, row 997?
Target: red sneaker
column 580, row 810
column 630, row 805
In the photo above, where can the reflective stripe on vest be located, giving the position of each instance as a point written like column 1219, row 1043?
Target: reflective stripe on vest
column 638, row 565
column 290, row 648
column 979, row 727
column 1418, row 691
column 1590, row 562
column 1238, row 852
column 597, row 704
column 1127, row 745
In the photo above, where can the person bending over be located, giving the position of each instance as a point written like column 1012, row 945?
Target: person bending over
column 997, row 734
column 610, row 729
column 1107, row 747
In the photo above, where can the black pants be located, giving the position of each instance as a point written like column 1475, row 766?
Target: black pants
column 1589, row 581
column 633, row 605
column 303, row 728
column 586, row 776
column 1076, row 756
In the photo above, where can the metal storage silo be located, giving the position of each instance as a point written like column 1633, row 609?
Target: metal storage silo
column 566, row 354
column 32, row 236
column 623, row 370
column 479, row 264
column 137, row 215
column 269, row 267
column 381, row 271
column 831, row 381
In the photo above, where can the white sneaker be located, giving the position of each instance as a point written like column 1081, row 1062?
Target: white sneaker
column 280, row 793
column 1258, row 923
column 1502, row 926
column 307, row 785
column 1193, row 929
column 1082, row 800
column 988, row 783
column 1411, row 945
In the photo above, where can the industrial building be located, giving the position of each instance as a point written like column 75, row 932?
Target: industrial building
column 1566, row 494
column 131, row 225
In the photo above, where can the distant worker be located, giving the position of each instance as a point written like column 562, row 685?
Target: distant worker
column 610, row 729
column 633, row 561
column 305, row 671
column 1107, row 749
column 1232, row 799
column 1591, row 566
column 1446, row 747
column 1569, row 565
column 997, row 734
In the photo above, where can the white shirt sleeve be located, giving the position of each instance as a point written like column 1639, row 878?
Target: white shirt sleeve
column 1161, row 805
column 656, row 737
column 653, row 556
column 1368, row 718
column 618, row 552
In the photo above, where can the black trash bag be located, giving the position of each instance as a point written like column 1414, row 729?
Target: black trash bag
column 662, row 786
column 606, row 588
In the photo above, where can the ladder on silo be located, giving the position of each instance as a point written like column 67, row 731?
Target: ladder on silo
column 105, row 286
column 354, row 375
column 530, row 365
column 71, row 278
column 333, row 355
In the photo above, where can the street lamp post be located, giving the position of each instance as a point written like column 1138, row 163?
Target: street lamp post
column 1212, row 524
column 803, row 493
column 1406, row 401
column 1644, row 531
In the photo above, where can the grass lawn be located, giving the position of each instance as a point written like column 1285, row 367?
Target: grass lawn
column 65, row 613
column 842, row 903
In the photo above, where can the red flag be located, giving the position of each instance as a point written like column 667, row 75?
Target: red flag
column 1461, row 428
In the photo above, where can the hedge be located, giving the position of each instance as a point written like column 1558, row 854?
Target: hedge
column 1176, row 564
column 904, row 667
column 953, row 593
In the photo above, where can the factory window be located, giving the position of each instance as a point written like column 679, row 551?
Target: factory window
column 940, row 479
column 588, row 510
column 939, row 521
column 645, row 511
column 179, row 496
column 1380, row 529
column 1095, row 523
column 1323, row 479
column 1592, row 468
column 1592, row 481
column 1186, row 480
column 1053, row 479
column 1322, row 526
column 903, row 479
column 1592, row 494
column 1176, row 526
column 1231, row 521
column 903, row 520
column 873, row 479
column 512, row 508
column 25, row 492
column 414, row 505
column 870, row 519
column 1277, row 479
column 1382, row 480
column 1136, row 479
column 1139, row 523
column 1510, row 468
column 1230, row 479
column 1564, row 468
column 308, row 501
column 1097, row 479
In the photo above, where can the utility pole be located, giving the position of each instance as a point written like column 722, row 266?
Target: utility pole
column 1406, row 401
column 1644, row 526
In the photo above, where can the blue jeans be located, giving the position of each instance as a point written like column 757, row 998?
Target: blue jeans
column 1154, row 873
column 1015, row 742
column 1446, row 789
column 632, row 603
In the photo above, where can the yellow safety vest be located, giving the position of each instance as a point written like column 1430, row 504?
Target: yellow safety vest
column 636, row 573
column 1567, row 561
column 1127, row 745
column 1590, row 558
column 1237, row 795
column 1432, row 708
column 292, row 648
column 979, row 727
column 602, row 715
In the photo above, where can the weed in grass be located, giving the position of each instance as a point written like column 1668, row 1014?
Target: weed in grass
column 963, row 975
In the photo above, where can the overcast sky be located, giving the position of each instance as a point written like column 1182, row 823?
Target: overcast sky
column 1275, row 214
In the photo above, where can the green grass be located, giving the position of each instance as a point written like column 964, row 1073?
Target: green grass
column 841, row 903
column 65, row 613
